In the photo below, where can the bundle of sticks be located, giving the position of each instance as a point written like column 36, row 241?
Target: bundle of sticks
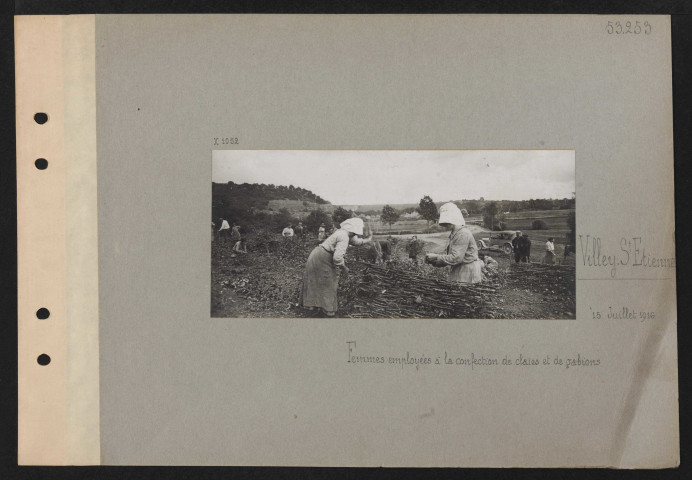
column 542, row 276
column 394, row 292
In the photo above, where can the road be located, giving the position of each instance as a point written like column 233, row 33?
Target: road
column 434, row 241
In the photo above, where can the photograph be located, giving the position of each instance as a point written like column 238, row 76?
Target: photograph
column 477, row 234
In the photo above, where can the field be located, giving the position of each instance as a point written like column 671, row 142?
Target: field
column 556, row 221
column 266, row 282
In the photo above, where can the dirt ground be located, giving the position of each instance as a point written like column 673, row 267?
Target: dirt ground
column 266, row 282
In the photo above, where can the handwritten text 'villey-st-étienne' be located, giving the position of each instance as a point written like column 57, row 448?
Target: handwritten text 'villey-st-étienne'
column 630, row 252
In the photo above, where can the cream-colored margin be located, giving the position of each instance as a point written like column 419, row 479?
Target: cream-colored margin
column 79, row 89
column 57, row 241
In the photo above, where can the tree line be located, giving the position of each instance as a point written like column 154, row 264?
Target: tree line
column 258, row 195
column 247, row 204
column 494, row 213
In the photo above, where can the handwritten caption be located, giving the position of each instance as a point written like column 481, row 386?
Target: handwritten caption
column 623, row 313
column 630, row 252
column 470, row 360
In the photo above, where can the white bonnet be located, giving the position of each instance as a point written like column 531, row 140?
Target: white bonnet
column 450, row 213
column 353, row 225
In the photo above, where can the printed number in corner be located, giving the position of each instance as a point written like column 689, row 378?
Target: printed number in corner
column 628, row 28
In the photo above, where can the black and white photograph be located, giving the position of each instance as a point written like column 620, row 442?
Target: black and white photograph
column 393, row 234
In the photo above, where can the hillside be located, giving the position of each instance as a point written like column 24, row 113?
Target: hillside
column 264, row 192
column 238, row 200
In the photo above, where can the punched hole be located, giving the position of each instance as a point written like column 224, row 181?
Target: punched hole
column 43, row 359
column 41, row 163
column 40, row 118
column 42, row 313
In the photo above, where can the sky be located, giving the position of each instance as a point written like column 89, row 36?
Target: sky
column 360, row 177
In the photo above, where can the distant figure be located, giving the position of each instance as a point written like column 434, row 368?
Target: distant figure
column 376, row 255
column 524, row 246
column 287, row 232
column 299, row 230
column 413, row 248
column 240, row 246
column 490, row 264
column 515, row 246
column 391, row 240
column 569, row 256
column 213, row 231
column 386, row 248
column 235, row 233
column 550, row 251
column 236, row 237
column 224, row 230
column 321, row 232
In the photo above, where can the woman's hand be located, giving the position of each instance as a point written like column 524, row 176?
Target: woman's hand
column 430, row 257
column 344, row 271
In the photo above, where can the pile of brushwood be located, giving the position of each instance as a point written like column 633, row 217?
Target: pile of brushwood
column 543, row 277
column 267, row 282
column 400, row 290
column 553, row 281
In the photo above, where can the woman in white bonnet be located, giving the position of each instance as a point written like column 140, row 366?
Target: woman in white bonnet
column 320, row 281
column 461, row 253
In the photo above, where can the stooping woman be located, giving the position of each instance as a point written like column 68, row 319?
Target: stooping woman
column 320, row 281
column 461, row 253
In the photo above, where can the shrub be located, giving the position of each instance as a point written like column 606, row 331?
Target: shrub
column 313, row 219
column 263, row 240
column 539, row 225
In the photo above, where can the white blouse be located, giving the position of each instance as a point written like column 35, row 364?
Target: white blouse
column 337, row 243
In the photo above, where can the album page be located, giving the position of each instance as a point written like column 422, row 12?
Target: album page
column 346, row 240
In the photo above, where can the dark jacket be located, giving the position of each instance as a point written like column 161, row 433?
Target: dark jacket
column 515, row 242
column 414, row 248
column 524, row 246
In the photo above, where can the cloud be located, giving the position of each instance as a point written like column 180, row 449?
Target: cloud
column 404, row 176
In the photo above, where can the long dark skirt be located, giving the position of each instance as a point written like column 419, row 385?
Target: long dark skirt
column 549, row 258
column 320, row 281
